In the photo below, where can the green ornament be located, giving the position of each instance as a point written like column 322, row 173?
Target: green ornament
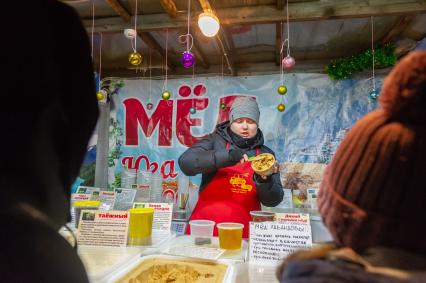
column 281, row 107
column 282, row 89
column 100, row 95
column 223, row 106
column 166, row 95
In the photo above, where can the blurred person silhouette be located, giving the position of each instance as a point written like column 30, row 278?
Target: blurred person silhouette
column 373, row 194
column 49, row 111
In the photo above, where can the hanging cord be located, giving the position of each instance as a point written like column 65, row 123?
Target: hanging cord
column 167, row 43
column 193, row 83
column 288, row 46
column 225, row 54
column 372, row 50
column 189, row 13
column 281, row 56
column 223, row 93
column 136, row 19
column 93, row 22
column 287, row 40
column 187, row 38
column 288, row 31
column 100, row 59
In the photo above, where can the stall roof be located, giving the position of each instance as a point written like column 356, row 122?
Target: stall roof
column 251, row 33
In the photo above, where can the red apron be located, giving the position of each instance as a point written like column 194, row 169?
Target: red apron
column 229, row 197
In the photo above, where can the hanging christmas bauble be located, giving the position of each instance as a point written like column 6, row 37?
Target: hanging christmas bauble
column 100, row 95
column 282, row 89
column 166, row 95
column 192, row 110
column 223, row 106
column 281, row 107
column 288, row 62
column 149, row 106
column 135, row 58
column 188, row 59
column 374, row 94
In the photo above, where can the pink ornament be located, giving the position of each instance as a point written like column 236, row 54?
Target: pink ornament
column 288, row 62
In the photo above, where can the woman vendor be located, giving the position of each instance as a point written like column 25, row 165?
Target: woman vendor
column 229, row 188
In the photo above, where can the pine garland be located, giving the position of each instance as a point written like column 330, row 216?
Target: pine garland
column 344, row 68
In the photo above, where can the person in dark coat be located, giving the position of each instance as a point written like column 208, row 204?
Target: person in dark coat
column 229, row 188
column 373, row 194
column 49, row 111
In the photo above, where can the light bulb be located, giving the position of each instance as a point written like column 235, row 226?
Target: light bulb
column 208, row 23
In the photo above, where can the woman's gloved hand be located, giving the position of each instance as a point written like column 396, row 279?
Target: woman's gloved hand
column 236, row 155
column 274, row 171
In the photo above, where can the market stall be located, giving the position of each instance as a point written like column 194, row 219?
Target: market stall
column 314, row 69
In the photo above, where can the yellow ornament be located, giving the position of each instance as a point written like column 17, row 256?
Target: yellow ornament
column 282, row 89
column 166, row 95
column 100, row 95
column 281, row 107
column 135, row 58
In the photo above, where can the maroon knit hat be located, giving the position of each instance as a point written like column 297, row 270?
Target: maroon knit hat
column 374, row 191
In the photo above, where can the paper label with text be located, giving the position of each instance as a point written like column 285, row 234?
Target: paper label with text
column 87, row 190
column 124, row 199
column 103, row 228
column 271, row 242
column 302, row 218
column 74, row 198
column 107, row 200
column 162, row 214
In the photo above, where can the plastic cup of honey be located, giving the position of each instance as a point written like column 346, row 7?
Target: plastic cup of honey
column 230, row 235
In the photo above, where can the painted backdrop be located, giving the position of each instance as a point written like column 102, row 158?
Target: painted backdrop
column 318, row 114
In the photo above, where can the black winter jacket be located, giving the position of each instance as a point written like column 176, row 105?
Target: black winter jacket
column 210, row 154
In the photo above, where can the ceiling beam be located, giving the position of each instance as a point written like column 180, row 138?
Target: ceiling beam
column 256, row 68
column 313, row 11
column 153, row 44
column 278, row 43
column 205, row 5
column 170, row 7
column 197, row 50
column 397, row 28
column 199, row 53
column 281, row 3
column 231, row 49
column 119, row 9
column 229, row 54
column 145, row 36
column 222, row 41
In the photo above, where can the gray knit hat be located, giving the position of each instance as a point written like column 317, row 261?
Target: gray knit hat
column 244, row 107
